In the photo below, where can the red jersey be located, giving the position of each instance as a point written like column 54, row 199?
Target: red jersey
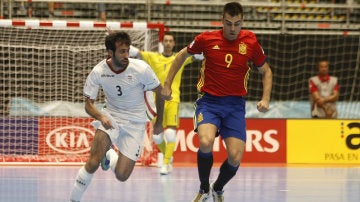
column 225, row 70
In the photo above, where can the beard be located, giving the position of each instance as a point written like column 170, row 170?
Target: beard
column 123, row 63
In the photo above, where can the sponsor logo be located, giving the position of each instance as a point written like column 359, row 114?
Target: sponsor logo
column 107, row 75
column 262, row 142
column 352, row 140
column 70, row 139
column 256, row 141
column 216, row 47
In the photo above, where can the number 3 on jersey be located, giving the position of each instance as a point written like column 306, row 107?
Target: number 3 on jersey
column 119, row 90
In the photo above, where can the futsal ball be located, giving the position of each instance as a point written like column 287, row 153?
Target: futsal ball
column 150, row 105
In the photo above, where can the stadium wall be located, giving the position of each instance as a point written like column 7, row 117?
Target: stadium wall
column 291, row 141
column 284, row 141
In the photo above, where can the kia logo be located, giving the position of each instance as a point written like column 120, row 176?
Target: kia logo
column 70, row 139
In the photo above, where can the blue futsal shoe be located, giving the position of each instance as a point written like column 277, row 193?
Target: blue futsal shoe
column 105, row 163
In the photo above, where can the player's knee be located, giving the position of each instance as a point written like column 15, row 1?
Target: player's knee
column 234, row 159
column 234, row 162
column 121, row 176
column 170, row 135
column 92, row 165
column 206, row 143
column 159, row 138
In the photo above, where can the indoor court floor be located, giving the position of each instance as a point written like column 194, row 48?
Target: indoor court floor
column 251, row 184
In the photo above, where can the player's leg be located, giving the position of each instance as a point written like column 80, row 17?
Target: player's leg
column 206, row 135
column 235, row 149
column 170, row 136
column 130, row 145
column 124, row 167
column 161, row 144
column 233, row 132
column 100, row 145
column 171, row 122
column 160, row 140
column 206, row 123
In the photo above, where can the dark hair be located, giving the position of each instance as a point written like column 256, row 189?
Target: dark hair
column 320, row 60
column 170, row 34
column 233, row 9
column 113, row 38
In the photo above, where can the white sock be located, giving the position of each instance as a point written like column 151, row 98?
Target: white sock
column 113, row 157
column 82, row 181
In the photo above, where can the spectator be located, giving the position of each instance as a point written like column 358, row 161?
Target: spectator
column 102, row 14
column 324, row 92
column 51, row 7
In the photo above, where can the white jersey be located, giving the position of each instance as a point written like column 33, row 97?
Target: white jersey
column 124, row 91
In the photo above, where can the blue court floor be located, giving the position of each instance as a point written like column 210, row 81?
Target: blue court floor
column 251, row 184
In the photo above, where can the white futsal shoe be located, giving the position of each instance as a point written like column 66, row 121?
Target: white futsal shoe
column 166, row 169
column 217, row 195
column 201, row 196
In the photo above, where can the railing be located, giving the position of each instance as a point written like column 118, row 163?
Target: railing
column 261, row 16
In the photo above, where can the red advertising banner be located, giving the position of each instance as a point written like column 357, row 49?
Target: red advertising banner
column 266, row 142
column 65, row 136
column 72, row 137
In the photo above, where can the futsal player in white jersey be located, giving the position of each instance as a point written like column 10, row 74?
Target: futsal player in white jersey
column 122, row 120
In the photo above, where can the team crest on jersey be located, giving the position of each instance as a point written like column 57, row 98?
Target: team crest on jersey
column 242, row 48
column 200, row 117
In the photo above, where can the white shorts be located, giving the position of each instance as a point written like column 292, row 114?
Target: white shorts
column 127, row 136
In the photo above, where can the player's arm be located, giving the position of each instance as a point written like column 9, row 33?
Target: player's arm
column 266, row 72
column 333, row 97
column 158, row 128
column 91, row 109
column 315, row 94
column 317, row 98
column 175, row 66
column 321, row 102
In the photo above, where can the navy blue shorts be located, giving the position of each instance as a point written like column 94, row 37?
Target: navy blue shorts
column 226, row 113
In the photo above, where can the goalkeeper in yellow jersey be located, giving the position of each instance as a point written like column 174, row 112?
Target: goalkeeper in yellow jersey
column 161, row 63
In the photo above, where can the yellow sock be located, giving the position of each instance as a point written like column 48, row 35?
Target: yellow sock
column 169, row 152
column 162, row 146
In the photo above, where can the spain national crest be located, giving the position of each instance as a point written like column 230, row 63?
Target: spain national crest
column 242, row 48
column 200, row 117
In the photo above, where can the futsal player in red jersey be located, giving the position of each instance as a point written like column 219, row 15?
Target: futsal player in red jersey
column 222, row 85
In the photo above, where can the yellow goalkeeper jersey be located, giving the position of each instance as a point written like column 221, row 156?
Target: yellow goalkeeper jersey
column 161, row 66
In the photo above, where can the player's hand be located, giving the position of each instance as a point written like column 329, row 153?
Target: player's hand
column 106, row 123
column 262, row 106
column 158, row 128
column 321, row 102
column 166, row 93
column 328, row 113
